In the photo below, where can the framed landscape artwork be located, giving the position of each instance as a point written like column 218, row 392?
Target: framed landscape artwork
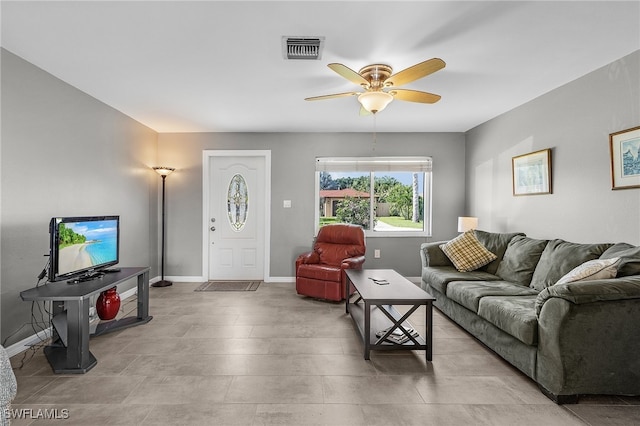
column 531, row 173
column 624, row 147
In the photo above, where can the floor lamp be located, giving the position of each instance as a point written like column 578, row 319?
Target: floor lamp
column 163, row 172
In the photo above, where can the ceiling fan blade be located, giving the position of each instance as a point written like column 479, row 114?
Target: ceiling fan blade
column 415, row 72
column 414, row 96
column 363, row 111
column 349, row 74
column 335, row 95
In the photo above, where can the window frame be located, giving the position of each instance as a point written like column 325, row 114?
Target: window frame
column 421, row 165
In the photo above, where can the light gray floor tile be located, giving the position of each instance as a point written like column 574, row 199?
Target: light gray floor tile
column 273, row 357
column 275, row 389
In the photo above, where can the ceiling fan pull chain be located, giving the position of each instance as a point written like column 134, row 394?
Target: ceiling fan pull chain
column 375, row 134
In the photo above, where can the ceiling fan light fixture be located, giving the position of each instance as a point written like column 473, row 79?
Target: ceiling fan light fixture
column 374, row 101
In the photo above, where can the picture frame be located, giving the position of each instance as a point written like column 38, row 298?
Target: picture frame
column 531, row 173
column 624, row 147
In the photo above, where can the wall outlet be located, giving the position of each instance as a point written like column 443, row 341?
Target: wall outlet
column 376, row 254
column 286, row 204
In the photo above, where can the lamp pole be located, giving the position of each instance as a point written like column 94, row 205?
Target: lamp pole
column 163, row 172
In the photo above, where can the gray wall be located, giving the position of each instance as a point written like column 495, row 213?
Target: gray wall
column 292, row 178
column 66, row 154
column 575, row 121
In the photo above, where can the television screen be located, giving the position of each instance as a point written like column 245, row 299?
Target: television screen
column 83, row 245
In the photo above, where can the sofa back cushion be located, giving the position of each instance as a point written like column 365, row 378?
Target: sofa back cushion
column 496, row 243
column 629, row 258
column 520, row 259
column 559, row 257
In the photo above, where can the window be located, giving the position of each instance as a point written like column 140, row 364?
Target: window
column 387, row 196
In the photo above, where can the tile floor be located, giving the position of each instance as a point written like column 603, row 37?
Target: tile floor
column 271, row 357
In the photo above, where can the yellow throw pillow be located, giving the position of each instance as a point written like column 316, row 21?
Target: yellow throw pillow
column 467, row 253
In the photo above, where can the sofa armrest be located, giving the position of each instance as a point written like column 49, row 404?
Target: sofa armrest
column 581, row 292
column 432, row 255
column 8, row 385
column 590, row 347
column 352, row 263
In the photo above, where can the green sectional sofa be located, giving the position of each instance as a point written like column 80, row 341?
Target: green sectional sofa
column 572, row 326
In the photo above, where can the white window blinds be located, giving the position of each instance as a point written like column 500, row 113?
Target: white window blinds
column 373, row 164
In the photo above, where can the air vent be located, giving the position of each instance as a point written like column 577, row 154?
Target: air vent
column 302, row 47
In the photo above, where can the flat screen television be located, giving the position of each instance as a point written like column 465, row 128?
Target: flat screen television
column 80, row 247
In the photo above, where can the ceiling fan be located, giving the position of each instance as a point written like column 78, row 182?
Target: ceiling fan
column 380, row 84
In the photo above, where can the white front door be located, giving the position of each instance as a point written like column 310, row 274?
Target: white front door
column 236, row 221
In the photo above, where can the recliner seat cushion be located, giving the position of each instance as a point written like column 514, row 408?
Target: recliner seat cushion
column 320, row 272
column 469, row 293
column 515, row 315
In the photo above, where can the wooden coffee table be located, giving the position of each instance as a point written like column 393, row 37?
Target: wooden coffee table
column 372, row 309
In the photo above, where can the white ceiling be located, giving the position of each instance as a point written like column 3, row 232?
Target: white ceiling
column 217, row 66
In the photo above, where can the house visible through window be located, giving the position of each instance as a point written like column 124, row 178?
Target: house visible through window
column 385, row 195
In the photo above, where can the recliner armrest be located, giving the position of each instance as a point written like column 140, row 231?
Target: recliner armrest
column 352, row 262
column 309, row 257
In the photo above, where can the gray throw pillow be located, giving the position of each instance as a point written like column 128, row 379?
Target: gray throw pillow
column 629, row 258
column 520, row 259
column 559, row 257
column 496, row 243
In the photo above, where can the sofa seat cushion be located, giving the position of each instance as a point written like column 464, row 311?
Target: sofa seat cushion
column 320, row 272
column 559, row 258
column 439, row 276
column 515, row 315
column 469, row 293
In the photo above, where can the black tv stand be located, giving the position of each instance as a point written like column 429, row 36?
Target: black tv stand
column 75, row 357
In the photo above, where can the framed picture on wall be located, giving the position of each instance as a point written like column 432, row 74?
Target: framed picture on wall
column 624, row 147
column 531, row 173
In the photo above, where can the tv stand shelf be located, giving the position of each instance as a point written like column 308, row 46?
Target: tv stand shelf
column 75, row 357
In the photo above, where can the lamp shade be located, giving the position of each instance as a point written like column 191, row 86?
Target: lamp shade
column 163, row 171
column 466, row 223
column 374, row 101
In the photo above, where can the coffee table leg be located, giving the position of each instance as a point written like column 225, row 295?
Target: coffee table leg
column 429, row 328
column 367, row 330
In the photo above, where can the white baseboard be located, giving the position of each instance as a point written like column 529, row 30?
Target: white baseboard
column 180, row 279
column 28, row 342
column 280, row 280
column 195, row 279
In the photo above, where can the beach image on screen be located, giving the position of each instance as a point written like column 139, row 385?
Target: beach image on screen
column 82, row 245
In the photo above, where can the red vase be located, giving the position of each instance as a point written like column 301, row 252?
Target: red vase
column 108, row 304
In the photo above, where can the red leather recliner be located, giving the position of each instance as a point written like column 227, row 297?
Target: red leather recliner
column 320, row 273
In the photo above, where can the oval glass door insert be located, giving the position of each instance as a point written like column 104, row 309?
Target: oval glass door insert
column 237, row 202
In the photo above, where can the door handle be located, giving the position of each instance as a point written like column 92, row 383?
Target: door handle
column 213, row 228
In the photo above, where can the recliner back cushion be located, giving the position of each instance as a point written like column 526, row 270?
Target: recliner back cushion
column 520, row 259
column 337, row 242
column 560, row 257
column 334, row 254
column 496, row 243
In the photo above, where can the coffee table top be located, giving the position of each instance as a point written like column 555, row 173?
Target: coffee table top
column 399, row 290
